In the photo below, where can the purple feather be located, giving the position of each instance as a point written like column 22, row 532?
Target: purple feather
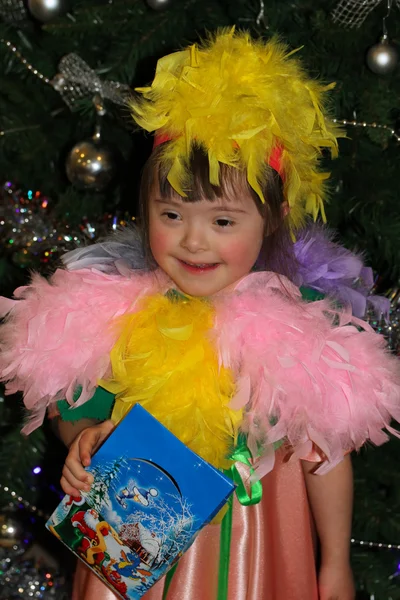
column 331, row 269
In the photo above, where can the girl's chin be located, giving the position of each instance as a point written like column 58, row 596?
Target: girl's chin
column 205, row 291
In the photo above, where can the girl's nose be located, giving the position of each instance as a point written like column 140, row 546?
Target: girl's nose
column 194, row 239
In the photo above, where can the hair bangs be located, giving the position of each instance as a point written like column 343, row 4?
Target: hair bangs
column 233, row 182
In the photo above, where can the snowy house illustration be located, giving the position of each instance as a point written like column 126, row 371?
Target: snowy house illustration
column 140, row 540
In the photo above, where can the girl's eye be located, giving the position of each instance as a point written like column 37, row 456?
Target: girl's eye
column 171, row 215
column 224, row 223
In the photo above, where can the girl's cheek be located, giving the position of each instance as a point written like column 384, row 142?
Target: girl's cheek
column 159, row 240
column 233, row 250
column 240, row 252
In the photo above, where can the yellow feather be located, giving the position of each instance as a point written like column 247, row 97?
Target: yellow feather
column 214, row 168
column 175, row 176
column 165, row 360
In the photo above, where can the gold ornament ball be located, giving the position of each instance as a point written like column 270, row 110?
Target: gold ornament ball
column 382, row 58
column 158, row 4
column 48, row 10
column 91, row 165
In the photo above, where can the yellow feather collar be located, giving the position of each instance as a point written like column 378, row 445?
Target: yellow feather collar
column 166, row 361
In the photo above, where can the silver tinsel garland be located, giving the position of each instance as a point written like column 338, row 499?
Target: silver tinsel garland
column 26, row 570
column 390, row 328
column 22, row 579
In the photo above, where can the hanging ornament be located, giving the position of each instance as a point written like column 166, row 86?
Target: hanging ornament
column 261, row 19
column 158, row 4
column 13, row 12
column 77, row 79
column 352, row 13
column 92, row 164
column 382, row 58
column 46, row 11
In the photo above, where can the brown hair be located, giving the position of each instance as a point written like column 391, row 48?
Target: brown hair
column 277, row 250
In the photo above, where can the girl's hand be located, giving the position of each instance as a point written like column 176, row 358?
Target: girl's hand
column 335, row 582
column 74, row 477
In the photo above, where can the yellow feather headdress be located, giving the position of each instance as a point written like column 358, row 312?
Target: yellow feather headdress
column 241, row 100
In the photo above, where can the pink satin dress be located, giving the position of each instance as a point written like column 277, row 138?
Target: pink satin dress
column 272, row 551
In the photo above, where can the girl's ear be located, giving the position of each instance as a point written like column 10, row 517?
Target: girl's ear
column 285, row 209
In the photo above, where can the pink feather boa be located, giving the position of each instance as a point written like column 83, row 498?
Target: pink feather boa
column 58, row 334
column 307, row 368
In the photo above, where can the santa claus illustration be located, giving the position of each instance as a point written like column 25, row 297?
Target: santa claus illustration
column 92, row 545
column 100, row 542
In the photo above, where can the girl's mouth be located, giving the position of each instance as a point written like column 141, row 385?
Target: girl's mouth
column 198, row 267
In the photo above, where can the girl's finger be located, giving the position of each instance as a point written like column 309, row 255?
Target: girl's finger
column 77, row 483
column 67, row 488
column 76, row 469
column 87, row 446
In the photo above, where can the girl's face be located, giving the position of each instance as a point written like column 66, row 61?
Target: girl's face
column 205, row 247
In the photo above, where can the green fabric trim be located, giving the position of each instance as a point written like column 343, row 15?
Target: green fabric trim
column 311, row 295
column 98, row 407
column 168, row 579
column 175, row 295
column 225, row 552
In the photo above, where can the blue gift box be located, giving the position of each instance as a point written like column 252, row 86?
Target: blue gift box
column 150, row 497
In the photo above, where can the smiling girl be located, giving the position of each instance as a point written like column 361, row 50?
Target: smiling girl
column 239, row 130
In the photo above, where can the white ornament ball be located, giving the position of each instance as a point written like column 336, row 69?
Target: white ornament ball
column 91, row 165
column 158, row 4
column 46, row 11
column 382, row 58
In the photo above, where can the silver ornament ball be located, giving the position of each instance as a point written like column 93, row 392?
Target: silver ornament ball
column 382, row 58
column 48, row 10
column 91, row 165
column 158, row 4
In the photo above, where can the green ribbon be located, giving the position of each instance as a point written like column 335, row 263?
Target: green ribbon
column 224, row 554
column 242, row 454
column 168, row 579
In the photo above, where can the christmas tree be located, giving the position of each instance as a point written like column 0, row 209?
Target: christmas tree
column 65, row 72
column 105, row 477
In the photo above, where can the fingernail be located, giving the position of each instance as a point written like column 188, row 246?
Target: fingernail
column 86, row 488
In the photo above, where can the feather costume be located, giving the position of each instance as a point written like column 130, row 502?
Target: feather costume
column 303, row 372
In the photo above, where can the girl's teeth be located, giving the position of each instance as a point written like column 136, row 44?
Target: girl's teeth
column 202, row 266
